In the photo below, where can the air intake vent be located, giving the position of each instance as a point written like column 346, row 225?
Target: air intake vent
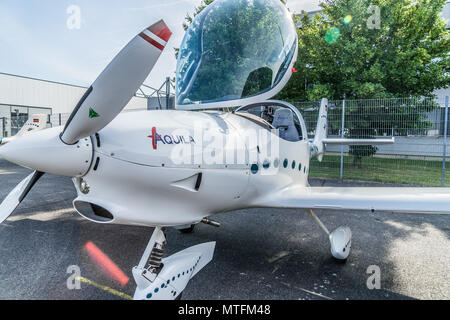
column 93, row 212
column 191, row 183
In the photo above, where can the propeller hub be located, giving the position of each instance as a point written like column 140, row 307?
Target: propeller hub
column 44, row 151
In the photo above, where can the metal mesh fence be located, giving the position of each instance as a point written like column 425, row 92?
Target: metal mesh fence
column 417, row 157
column 2, row 127
column 53, row 120
column 58, row 119
column 16, row 123
column 9, row 126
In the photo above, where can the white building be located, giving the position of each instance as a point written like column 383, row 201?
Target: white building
column 21, row 97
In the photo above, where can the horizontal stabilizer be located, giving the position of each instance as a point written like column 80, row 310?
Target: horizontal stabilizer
column 358, row 142
column 321, row 140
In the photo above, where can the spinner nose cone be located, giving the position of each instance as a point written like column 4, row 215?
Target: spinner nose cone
column 44, row 151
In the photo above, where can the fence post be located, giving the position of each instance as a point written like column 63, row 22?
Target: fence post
column 444, row 156
column 59, row 117
column 167, row 92
column 341, row 176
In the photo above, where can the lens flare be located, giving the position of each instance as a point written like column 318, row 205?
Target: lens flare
column 332, row 35
column 106, row 264
column 348, row 18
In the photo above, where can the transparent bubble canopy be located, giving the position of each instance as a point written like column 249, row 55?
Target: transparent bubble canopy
column 235, row 50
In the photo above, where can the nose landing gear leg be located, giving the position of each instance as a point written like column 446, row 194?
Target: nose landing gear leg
column 159, row 278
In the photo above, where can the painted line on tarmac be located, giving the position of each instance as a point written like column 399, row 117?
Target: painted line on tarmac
column 105, row 288
column 314, row 293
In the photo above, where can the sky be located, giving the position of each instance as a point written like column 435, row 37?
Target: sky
column 40, row 38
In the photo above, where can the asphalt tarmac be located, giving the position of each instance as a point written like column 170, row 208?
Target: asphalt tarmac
column 260, row 253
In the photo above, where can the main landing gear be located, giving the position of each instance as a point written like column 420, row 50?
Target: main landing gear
column 190, row 228
column 340, row 239
column 186, row 229
column 159, row 278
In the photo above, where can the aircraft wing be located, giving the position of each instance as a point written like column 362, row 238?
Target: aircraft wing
column 407, row 200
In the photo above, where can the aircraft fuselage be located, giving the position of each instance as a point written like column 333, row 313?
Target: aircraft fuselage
column 169, row 168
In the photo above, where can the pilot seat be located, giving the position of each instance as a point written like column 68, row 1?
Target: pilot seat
column 283, row 120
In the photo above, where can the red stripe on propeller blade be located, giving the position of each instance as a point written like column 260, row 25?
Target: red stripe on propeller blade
column 151, row 41
column 161, row 30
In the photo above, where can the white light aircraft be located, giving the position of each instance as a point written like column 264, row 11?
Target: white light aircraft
column 35, row 123
column 124, row 167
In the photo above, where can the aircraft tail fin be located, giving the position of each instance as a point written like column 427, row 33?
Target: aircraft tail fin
column 318, row 147
column 321, row 139
column 35, row 122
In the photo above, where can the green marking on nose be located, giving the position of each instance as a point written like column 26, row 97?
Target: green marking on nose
column 93, row 114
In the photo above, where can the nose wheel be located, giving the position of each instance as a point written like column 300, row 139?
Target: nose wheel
column 190, row 228
column 340, row 239
column 165, row 278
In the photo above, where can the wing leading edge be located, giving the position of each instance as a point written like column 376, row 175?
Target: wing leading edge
column 406, row 200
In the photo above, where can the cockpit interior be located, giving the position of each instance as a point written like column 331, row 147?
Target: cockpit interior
column 276, row 115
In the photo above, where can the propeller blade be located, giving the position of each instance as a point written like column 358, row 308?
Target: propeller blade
column 117, row 84
column 16, row 196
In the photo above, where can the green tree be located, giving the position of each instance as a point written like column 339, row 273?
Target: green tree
column 344, row 52
column 407, row 56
